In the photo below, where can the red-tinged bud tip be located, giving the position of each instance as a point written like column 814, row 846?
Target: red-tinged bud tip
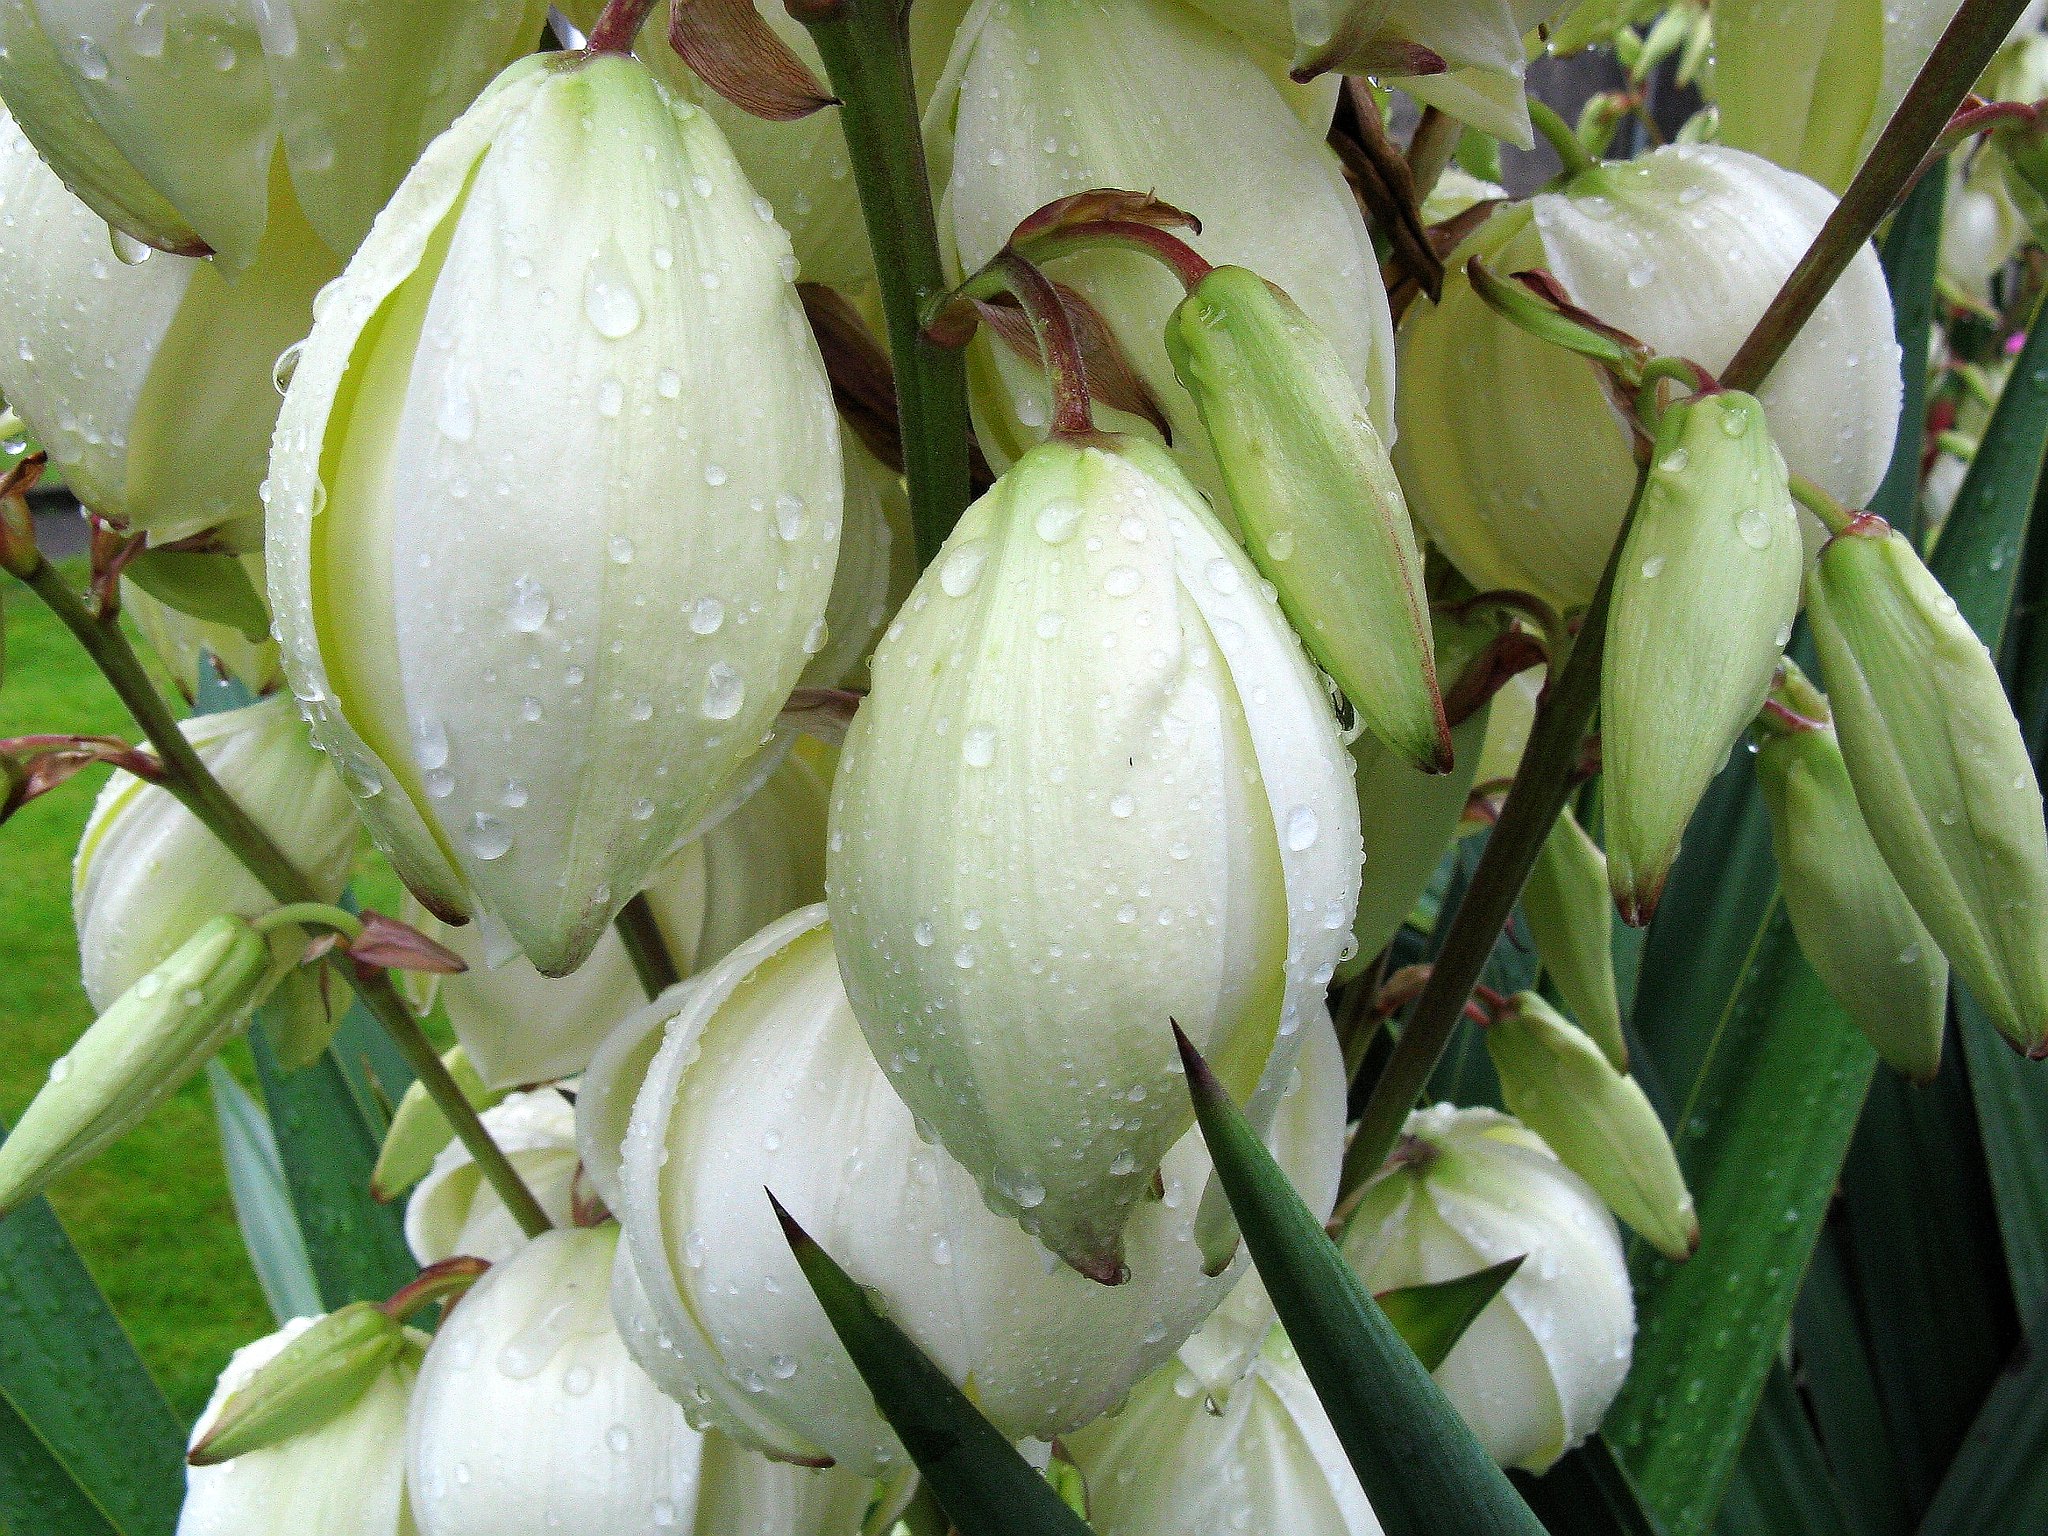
column 390, row 945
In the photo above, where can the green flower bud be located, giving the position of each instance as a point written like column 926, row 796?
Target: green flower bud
column 1572, row 921
column 1096, row 787
column 322, row 1372
column 1316, row 499
column 418, row 1130
column 344, row 1477
column 1514, row 461
column 1704, row 599
column 142, row 1047
column 763, row 1079
column 534, row 682
column 147, row 380
column 148, row 872
column 182, row 642
column 1536, row 1371
column 1941, row 773
column 529, row 1418
column 1596, row 1119
column 1140, row 94
column 1179, row 1460
column 1853, row 922
column 168, row 120
column 454, row 1210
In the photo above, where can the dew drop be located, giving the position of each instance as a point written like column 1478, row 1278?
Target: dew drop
column 724, row 692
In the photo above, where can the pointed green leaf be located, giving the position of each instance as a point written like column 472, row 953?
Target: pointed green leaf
column 1432, row 1318
column 986, row 1488
column 1419, row 1464
column 1841, row 1382
column 1998, row 1481
column 1911, row 253
column 263, row 1205
column 36, row 1493
column 1782, row 1485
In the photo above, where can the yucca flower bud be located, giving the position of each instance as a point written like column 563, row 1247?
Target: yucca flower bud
column 759, row 860
column 529, row 1417
column 323, row 1371
column 148, row 381
column 184, row 643
column 342, row 1477
column 1941, row 772
column 1316, row 499
column 1852, row 921
column 454, row 1210
column 141, row 1047
column 763, row 1079
column 1536, row 1371
column 1595, row 1118
column 170, row 119
column 1704, row 599
column 1179, row 1460
column 1571, row 920
column 1058, row 96
column 1096, row 787
column 535, row 682
column 148, row 872
column 1512, row 457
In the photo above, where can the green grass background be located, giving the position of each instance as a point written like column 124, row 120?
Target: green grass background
column 151, row 1215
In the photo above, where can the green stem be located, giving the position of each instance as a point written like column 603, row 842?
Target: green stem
column 645, row 947
column 1542, row 786
column 1577, row 159
column 866, row 49
column 1954, row 66
column 188, row 778
column 308, row 914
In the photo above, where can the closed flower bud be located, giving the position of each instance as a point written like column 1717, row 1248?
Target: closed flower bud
column 535, row 681
column 764, row 1080
column 456, row 1211
column 322, row 1373
column 1571, row 921
column 1512, row 457
column 763, row 858
column 529, row 1417
column 1141, row 94
column 1704, row 598
column 1097, row 787
column 141, row 1047
column 185, row 644
column 1941, row 773
column 148, row 871
column 148, row 381
column 1316, row 499
column 1853, row 923
column 344, row 1477
column 1178, row 1461
column 1536, row 1371
column 168, row 120
column 1595, row 1118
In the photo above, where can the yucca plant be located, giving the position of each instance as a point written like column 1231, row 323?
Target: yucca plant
column 1017, row 668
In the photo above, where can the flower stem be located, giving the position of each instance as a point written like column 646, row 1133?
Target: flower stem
column 866, row 49
column 1059, row 348
column 645, row 947
column 1958, row 59
column 193, row 784
column 1558, row 133
column 618, row 25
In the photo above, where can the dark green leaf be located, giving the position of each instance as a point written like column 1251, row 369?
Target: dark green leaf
column 263, row 1204
column 2011, row 1101
column 1432, row 1318
column 1417, row 1461
column 1841, row 1383
column 211, row 587
column 1910, row 252
column 1782, row 1485
column 986, row 1488
column 1588, row 1493
column 36, row 1493
column 328, row 1146
column 69, row 1373
column 1998, row 1483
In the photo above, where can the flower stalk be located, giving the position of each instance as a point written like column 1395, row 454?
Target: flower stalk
column 645, row 947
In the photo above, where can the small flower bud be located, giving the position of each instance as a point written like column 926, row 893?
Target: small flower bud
column 1536, row 1371
column 534, row 681
column 148, row 871
column 454, row 1210
column 1514, row 461
column 344, row 1476
column 1941, row 773
column 1595, row 1118
column 323, row 1372
column 1316, row 500
column 764, row 1079
column 1704, row 598
column 1571, row 920
column 142, row 1047
column 529, row 1419
column 1096, row 787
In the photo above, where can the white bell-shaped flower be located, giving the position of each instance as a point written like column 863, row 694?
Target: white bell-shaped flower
column 454, row 1210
